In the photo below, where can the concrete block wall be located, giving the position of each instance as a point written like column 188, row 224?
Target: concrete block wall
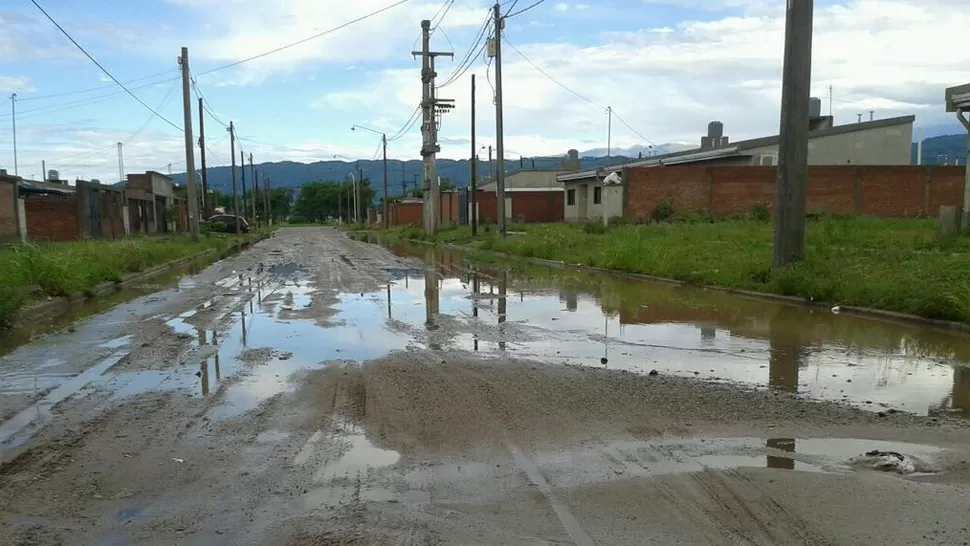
column 888, row 191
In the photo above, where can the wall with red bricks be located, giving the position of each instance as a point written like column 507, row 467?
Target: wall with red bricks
column 51, row 217
column 8, row 212
column 890, row 191
column 537, row 206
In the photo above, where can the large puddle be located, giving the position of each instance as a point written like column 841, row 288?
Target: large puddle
column 283, row 324
column 576, row 318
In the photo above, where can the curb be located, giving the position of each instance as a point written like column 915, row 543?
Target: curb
column 866, row 312
column 57, row 307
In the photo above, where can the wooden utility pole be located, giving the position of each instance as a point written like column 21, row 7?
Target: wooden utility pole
column 189, row 147
column 235, row 194
column 242, row 170
column 790, row 189
column 499, row 123
column 206, row 199
column 256, row 195
column 269, row 202
column 473, row 213
column 252, row 172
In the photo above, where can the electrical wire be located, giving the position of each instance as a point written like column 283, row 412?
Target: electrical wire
column 446, row 7
column 567, row 88
column 103, row 69
column 554, row 80
column 92, row 89
column 469, row 57
column 407, row 125
column 78, row 103
column 523, row 10
column 304, row 40
column 623, row 121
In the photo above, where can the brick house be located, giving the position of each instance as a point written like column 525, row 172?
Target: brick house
column 530, row 196
column 884, row 142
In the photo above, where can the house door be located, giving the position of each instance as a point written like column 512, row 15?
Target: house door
column 94, row 214
column 581, row 202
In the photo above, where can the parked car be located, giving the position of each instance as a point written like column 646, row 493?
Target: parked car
column 229, row 221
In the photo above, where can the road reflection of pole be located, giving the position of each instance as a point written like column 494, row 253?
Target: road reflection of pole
column 606, row 340
column 204, row 365
column 243, row 314
column 785, row 352
column 503, row 285
column 961, row 389
column 475, row 288
column 783, row 444
column 431, row 295
column 216, row 358
column 388, row 301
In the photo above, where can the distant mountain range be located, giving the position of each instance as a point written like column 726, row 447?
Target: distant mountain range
column 290, row 174
column 945, row 149
column 406, row 174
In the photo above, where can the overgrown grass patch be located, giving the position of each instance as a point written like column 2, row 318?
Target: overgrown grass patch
column 36, row 270
column 893, row 264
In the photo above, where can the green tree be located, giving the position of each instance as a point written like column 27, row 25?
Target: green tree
column 318, row 201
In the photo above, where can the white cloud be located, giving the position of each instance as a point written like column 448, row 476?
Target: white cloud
column 561, row 7
column 15, row 84
column 669, row 82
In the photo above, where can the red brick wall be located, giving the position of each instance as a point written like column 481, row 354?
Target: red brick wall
column 487, row 207
column 537, row 206
column 51, row 217
column 8, row 212
column 406, row 214
column 890, row 191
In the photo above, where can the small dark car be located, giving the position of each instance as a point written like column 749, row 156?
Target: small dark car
column 229, row 221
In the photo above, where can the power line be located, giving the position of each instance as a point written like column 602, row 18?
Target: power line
column 554, row 80
column 80, row 91
column 407, row 125
column 523, row 10
column 303, row 41
column 623, row 121
column 469, row 56
column 567, row 88
column 446, row 7
column 103, row 69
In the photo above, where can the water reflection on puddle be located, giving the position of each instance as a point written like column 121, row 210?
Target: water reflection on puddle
column 568, row 317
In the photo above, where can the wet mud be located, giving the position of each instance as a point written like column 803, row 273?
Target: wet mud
column 320, row 390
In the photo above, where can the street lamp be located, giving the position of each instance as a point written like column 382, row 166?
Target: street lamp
column 357, row 162
column 340, row 194
column 384, row 144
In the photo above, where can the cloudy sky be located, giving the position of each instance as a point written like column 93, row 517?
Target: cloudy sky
column 666, row 67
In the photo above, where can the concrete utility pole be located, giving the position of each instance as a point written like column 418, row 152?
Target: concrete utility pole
column 189, row 147
column 499, row 123
column 121, row 163
column 431, row 107
column 472, row 215
column 386, row 206
column 43, row 169
column 790, row 192
column 609, row 131
column 13, row 113
column 252, row 172
column 206, row 200
column 232, row 155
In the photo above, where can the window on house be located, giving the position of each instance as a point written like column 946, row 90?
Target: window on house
column 571, row 198
column 597, row 195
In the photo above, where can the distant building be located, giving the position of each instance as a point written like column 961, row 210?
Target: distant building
column 878, row 142
column 530, row 196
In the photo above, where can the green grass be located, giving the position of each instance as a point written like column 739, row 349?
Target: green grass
column 31, row 271
column 892, row 264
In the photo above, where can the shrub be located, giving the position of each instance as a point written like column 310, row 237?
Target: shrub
column 617, row 221
column 760, row 212
column 593, row 227
column 664, row 211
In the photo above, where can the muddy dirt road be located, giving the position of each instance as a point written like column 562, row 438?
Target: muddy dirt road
column 315, row 390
